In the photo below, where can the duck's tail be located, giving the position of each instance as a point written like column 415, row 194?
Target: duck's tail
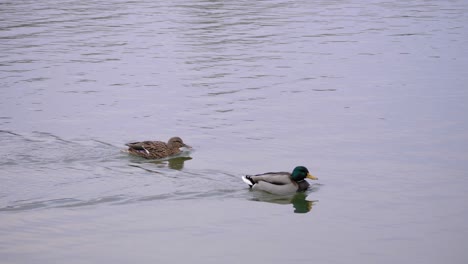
column 247, row 179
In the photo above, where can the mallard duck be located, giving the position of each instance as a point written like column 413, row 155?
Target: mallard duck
column 280, row 182
column 156, row 149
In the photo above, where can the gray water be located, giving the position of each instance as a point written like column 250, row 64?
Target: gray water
column 371, row 96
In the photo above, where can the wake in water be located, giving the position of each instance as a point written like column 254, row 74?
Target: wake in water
column 41, row 148
column 42, row 170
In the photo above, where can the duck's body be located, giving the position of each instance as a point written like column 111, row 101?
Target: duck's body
column 280, row 182
column 156, row 149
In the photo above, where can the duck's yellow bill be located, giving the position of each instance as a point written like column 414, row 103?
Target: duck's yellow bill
column 309, row 176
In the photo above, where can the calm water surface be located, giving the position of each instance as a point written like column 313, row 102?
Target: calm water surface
column 371, row 97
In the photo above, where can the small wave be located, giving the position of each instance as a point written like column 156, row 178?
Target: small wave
column 121, row 199
column 22, row 206
column 46, row 148
column 61, row 203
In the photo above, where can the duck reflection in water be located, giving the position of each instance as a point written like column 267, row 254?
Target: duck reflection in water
column 173, row 163
column 178, row 163
column 299, row 201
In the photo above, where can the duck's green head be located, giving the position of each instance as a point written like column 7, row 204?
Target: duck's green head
column 300, row 173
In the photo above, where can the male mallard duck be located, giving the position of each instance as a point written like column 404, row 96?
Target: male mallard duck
column 156, row 149
column 280, row 182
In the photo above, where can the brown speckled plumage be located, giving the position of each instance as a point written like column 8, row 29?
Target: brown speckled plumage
column 156, row 149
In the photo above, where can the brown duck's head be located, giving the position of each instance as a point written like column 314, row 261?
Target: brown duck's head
column 176, row 142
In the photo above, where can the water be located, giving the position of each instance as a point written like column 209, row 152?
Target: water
column 371, row 97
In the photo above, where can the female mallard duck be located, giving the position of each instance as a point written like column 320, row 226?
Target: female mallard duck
column 156, row 149
column 280, row 182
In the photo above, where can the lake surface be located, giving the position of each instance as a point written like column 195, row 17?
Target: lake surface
column 371, row 96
